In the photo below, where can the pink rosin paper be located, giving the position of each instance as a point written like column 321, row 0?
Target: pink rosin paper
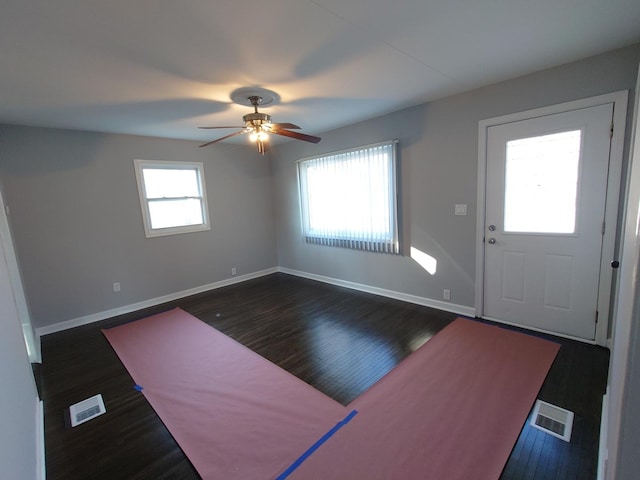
column 452, row 410
column 233, row 413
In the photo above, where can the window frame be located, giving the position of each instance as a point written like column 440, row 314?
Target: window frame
column 150, row 232
column 390, row 245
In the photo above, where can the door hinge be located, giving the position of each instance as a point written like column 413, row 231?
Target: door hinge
column 597, row 316
column 611, row 131
column 604, row 226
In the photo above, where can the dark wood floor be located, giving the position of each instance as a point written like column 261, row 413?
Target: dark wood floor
column 338, row 340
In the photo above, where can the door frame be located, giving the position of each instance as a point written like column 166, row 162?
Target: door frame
column 619, row 100
column 32, row 345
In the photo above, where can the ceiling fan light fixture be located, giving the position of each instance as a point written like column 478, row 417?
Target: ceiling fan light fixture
column 258, row 125
column 258, row 135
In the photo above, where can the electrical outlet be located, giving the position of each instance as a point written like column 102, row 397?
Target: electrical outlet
column 233, row 271
column 446, row 294
column 116, row 286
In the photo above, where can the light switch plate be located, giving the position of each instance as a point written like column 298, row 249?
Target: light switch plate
column 461, row 209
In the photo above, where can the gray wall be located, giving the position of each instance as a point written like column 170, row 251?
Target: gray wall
column 18, row 395
column 438, row 164
column 77, row 225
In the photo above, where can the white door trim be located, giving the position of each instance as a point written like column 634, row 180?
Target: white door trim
column 625, row 312
column 33, row 346
column 619, row 99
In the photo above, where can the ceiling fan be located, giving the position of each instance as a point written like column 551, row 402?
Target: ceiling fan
column 259, row 126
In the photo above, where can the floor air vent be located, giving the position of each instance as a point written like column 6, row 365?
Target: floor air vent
column 553, row 420
column 86, row 410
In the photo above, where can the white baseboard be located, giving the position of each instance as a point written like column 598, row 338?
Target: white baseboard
column 603, row 454
column 38, row 346
column 96, row 317
column 405, row 297
column 41, row 467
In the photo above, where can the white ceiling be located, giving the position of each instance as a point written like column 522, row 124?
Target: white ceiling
column 165, row 67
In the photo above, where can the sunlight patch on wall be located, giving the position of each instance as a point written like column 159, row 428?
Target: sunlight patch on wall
column 425, row 260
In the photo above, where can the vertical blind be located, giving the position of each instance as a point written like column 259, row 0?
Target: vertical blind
column 348, row 198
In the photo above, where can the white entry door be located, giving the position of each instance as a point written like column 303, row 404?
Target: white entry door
column 546, row 185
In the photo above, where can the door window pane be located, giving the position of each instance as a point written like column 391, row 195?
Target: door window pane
column 541, row 183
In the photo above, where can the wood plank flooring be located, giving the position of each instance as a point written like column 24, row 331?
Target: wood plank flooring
column 338, row 340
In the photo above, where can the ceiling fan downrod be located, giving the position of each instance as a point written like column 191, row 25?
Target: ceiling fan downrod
column 255, row 101
column 254, row 120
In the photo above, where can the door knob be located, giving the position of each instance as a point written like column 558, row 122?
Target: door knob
column 491, row 241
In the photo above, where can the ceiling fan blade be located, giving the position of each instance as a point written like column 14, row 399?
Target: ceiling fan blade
column 224, row 138
column 298, row 136
column 285, row 125
column 209, row 128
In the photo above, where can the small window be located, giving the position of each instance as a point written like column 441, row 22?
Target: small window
column 348, row 198
column 172, row 197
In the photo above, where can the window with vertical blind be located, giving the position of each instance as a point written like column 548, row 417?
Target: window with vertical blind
column 172, row 197
column 349, row 199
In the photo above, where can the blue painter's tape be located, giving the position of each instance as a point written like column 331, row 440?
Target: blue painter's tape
column 138, row 388
column 316, row 445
